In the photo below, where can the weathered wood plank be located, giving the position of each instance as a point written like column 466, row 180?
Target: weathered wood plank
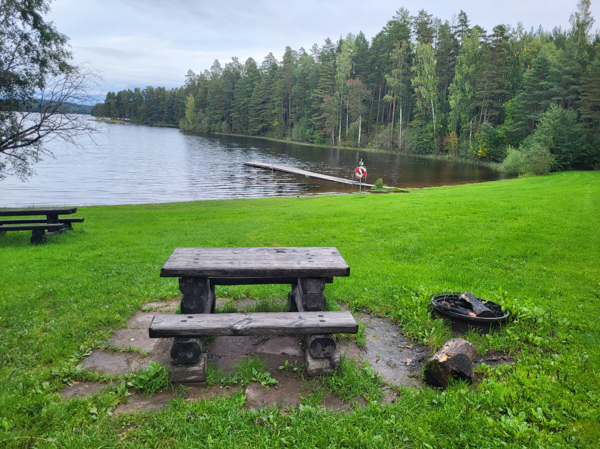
column 257, row 281
column 40, row 220
column 255, row 262
column 275, row 323
column 33, row 227
column 306, row 174
column 45, row 211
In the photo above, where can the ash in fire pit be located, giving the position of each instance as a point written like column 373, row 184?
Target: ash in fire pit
column 466, row 309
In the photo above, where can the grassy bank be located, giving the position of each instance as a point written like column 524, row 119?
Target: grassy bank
column 531, row 244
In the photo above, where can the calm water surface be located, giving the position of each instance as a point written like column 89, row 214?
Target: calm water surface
column 131, row 164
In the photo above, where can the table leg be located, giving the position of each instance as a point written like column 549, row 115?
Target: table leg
column 198, row 296
column 308, row 294
column 51, row 219
column 322, row 354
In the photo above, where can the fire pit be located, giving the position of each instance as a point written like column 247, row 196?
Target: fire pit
column 465, row 310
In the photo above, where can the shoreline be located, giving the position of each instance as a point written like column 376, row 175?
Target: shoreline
column 489, row 164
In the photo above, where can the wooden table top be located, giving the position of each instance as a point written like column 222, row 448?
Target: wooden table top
column 270, row 262
column 46, row 211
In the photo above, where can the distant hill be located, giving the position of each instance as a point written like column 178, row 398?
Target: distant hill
column 35, row 107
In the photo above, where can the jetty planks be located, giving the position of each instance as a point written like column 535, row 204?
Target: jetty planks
column 307, row 174
column 272, row 323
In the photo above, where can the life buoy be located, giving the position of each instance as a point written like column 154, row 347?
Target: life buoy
column 360, row 172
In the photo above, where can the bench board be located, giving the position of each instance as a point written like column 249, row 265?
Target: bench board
column 47, row 211
column 275, row 262
column 257, row 281
column 271, row 323
column 33, row 227
column 39, row 220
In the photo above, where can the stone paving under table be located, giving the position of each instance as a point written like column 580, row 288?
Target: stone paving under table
column 397, row 360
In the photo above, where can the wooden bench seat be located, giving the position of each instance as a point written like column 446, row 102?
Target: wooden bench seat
column 270, row 323
column 39, row 220
column 39, row 231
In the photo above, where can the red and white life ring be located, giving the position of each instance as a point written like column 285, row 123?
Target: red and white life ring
column 360, row 172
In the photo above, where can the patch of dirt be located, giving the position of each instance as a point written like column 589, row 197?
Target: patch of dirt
column 152, row 403
column 285, row 394
column 81, row 390
column 227, row 352
column 388, row 352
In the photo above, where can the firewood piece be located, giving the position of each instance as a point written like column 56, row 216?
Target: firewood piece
column 457, row 309
column 478, row 308
column 455, row 358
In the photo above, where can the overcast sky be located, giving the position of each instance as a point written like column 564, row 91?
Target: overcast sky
column 136, row 43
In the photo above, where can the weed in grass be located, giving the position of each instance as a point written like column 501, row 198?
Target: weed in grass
column 228, row 307
column 297, row 368
column 268, row 305
column 354, row 380
column 150, row 379
column 248, row 370
column 361, row 338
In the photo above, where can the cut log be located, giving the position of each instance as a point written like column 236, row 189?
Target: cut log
column 454, row 359
column 478, row 308
column 320, row 346
column 186, row 350
column 322, row 367
column 457, row 309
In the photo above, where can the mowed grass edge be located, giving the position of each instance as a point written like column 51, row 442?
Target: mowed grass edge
column 531, row 244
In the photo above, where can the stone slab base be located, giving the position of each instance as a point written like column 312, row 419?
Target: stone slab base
column 189, row 374
column 324, row 366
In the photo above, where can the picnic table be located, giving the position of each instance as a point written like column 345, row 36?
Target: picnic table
column 305, row 269
column 40, row 227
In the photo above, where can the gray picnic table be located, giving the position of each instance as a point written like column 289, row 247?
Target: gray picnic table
column 40, row 227
column 305, row 269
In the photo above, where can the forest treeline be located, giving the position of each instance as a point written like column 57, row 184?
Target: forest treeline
column 420, row 85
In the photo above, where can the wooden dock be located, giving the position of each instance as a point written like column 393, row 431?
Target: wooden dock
column 306, row 174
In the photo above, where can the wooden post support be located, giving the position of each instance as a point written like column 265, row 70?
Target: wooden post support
column 322, row 367
column 189, row 374
column 38, row 236
column 308, row 294
column 321, row 346
column 455, row 358
column 198, row 296
column 186, row 350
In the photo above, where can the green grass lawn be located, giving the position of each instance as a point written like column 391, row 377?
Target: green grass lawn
column 530, row 244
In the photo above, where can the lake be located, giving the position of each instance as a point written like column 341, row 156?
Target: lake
column 130, row 164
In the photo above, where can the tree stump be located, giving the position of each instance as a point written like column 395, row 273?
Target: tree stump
column 454, row 359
